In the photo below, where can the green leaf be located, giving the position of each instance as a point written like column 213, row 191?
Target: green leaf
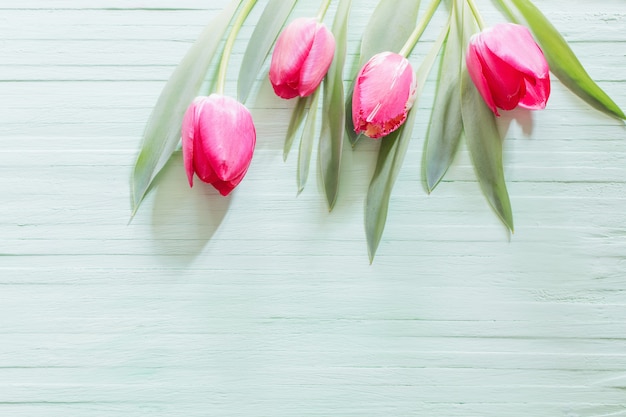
column 162, row 131
column 562, row 60
column 331, row 138
column 481, row 135
column 485, row 148
column 353, row 137
column 390, row 157
column 446, row 124
column 263, row 37
column 380, row 36
column 297, row 117
column 306, row 143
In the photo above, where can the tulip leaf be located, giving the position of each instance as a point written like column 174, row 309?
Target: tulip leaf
column 333, row 118
column 482, row 136
column 306, row 143
column 263, row 37
column 297, row 117
column 446, row 124
column 353, row 137
column 162, row 132
column 380, row 36
column 390, row 157
column 485, row 148
column 562, row 60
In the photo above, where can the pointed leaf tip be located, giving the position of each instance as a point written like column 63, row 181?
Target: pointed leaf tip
column 485, row 148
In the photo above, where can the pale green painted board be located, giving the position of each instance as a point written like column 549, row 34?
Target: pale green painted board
column 263, row 304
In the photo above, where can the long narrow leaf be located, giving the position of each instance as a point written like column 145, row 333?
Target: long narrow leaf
column 485, row 148
column 562, row 60
column 263, row 37
column 446, row 124
column 389, row 27
column 353, row 137
column 331, row 139
column 482, row 137
column 297, row 117
column 380, row 35
column 306, row 143
column 162, row 131
column 390, row 157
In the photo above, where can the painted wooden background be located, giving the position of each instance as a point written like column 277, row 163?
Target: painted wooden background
column 263, row 303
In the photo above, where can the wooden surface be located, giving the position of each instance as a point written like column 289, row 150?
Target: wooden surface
column 263, row 303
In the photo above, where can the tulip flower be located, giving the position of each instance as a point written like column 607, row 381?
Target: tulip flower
column 218, row 138
column 383, row 94
column 508, row 68
column 301, row 58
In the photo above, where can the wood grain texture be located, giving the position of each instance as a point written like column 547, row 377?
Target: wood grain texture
column 263, row 303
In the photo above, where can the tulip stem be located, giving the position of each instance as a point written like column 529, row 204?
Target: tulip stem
column 322, row 11
column 476, row 13
column 228, row 46
column 419, row 29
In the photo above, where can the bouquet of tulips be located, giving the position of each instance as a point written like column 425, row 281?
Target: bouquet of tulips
column 483, row 70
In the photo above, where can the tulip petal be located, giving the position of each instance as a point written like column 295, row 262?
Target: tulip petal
column 227, row 136
column 562, row 61
column 187, row 135
column 292, row 48
column 317, row 62
column 475, row 69
column 537, row 93
column 201, row 164
column 383, row 94
column 515, row 45
column 225, row 187
column 285, row 91
column 507, row 85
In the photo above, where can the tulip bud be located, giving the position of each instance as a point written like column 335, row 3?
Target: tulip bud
column 508, row 68
column 218, row 138
column 301, row 58
column 383, row 94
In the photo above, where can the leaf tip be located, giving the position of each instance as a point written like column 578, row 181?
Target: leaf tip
column 430, row 185
column 508, row 222
column 371, row 253
column 331, row 197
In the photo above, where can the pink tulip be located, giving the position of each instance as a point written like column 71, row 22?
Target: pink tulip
column 508, row 68
column 218, row 139
column 301, row 57
column 383, row 94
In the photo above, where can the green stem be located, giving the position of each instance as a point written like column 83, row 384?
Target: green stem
column 322, row 11
column 477, row 16
column 421, row 26
column 228, row 46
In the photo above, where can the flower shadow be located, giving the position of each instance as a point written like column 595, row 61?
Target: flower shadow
column 184, row 219
column 523, row 117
